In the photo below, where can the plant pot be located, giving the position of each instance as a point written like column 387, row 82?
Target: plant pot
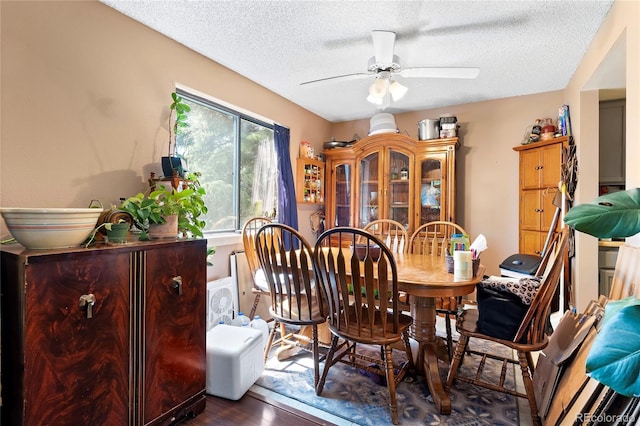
column 169, row 164
column 118, row 233
column 169, row 229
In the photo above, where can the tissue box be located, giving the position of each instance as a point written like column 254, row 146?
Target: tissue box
column 235, row 360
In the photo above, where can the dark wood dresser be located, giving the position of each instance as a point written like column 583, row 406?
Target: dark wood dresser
column 106, row 335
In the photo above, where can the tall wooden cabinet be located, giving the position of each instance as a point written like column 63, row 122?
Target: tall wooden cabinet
column 540, row 174
column 111, row 335
column 391, row 176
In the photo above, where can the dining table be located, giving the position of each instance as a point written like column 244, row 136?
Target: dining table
column 425, row 278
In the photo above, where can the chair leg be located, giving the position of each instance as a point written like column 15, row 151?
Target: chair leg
column 408, row 352
column 461, row 347
column 327, row 364
column 447, row 322
column 252, row 313
column 316, row 356
column 267, row 348
column 528, row 386
column 391, row 384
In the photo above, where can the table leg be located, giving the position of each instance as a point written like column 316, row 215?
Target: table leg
column 423, row 329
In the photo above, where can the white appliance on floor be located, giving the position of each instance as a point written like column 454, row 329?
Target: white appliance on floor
column 235, row 360
column 222, row 301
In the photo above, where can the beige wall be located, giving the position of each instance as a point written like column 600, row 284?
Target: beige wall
column 622, row 24
column 85, row 92
column 486, row 164
column 85, row 95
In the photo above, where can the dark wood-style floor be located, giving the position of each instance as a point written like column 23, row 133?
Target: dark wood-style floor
column 252, row 409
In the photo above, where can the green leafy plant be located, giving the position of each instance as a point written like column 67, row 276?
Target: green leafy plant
column 615, row 215
column 614, row 358
column 106, row 225
column 177, row 119
column 152, row 207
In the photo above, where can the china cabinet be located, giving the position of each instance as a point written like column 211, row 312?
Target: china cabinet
column 310, row 181
column 540, row 174
column 391, row 176
column 105, row 335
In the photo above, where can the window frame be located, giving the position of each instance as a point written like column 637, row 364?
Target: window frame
column 238, row 116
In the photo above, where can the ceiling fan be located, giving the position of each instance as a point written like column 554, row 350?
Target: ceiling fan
column 385, row 64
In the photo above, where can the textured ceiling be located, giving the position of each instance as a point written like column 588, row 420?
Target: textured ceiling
column 521, row 47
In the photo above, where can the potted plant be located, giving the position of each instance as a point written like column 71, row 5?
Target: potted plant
column 614, row 357
column 173, row 164
column 161, row 205
column 116, row 232
column 615, row 215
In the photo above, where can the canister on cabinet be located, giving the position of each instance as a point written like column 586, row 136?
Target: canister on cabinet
column 428, row 129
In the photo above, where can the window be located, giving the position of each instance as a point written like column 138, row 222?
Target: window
column 235, row 154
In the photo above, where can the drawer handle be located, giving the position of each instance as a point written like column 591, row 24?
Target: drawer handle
column 177, row 284
column 87, row 301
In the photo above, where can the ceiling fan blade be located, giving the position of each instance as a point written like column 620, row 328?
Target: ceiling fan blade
column 383, row 44
column 440, row 72
column 338, row 78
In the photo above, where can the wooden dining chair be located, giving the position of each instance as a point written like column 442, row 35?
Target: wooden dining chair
column 286, row 259
column 530, row 337
column 390, row 232
column 432, row 239
column 358, row 312
column 260, row 286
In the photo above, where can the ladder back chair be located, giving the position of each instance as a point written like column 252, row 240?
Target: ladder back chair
column 358, row 311
column 393, row 234
column 286, row 259
column 432, row 239
column 260, row 286
column 530, row 337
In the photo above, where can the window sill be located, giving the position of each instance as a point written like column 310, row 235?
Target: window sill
column 223, row 239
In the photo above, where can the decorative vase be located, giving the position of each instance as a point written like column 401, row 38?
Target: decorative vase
column 118, row 233
column 174, row 163
column 169, row 229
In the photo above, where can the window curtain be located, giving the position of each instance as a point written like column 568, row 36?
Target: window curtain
column 287, row 208
column 264, row 194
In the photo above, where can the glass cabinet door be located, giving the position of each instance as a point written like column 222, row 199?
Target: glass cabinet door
column 369, row 181
column 431, row 187
column 399, row 188
column 342, row 204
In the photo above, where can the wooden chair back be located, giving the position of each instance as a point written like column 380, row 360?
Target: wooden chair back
column 433, row 238
column 286, row 259
column 534, row 324
column 390, row 232
column 249, row 231
column 356, row 310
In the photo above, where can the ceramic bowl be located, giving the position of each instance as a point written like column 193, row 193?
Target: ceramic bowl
column 48, row 228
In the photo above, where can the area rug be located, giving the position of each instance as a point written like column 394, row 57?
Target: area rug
column 351, row 395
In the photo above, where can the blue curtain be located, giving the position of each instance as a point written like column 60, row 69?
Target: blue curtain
column 287, row 208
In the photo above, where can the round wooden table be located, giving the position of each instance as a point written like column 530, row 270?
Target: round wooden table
column 425, row 278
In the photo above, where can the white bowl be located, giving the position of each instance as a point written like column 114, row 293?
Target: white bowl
column 48, row 228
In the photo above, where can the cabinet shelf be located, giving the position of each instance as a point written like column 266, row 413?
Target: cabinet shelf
column 310, row 181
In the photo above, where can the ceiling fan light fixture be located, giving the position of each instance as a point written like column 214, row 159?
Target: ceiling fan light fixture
column 375, row 100
column 397, row 91
column 379, row 87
